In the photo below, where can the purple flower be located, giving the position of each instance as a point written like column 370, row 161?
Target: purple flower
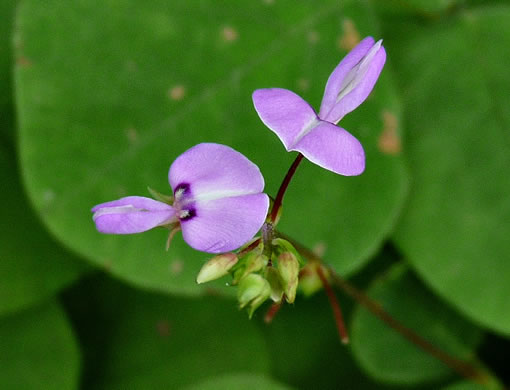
column 316, row 136
column 218, row 201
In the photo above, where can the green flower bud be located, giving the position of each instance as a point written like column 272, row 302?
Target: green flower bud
column 273, row 278
column 253, row 290
column 288, row 266
column 253, row 262
column 217, row 267
column 281, row 246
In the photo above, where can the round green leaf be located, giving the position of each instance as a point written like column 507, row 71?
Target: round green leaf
column 456, row 225
column 139, row 340
column 110, row 93
column 32, row 266
column 38, row 350
column 239, row 381
column 386, row 355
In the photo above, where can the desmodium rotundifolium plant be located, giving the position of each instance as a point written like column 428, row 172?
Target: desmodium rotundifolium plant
column 219, row 206
column 218, row 202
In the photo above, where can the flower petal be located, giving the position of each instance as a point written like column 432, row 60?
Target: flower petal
column 225, row 224
column 352, row 80
column 133, row 214
column 285, row 113
column 212, row 171
column 334, row 149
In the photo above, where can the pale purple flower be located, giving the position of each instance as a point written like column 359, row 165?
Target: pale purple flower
column 316, row 136
column 218, row 201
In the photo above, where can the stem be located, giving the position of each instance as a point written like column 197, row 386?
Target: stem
column 283, row 187
column 249, row 248
column 267, row 240
column 271, row 312
column 464, row 369
column 337, row 313
column 171, row 236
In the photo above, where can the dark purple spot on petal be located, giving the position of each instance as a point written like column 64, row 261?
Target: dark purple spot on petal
column 190, row 213
column 183, row 188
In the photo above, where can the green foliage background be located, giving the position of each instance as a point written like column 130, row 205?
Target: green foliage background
column 99, row 97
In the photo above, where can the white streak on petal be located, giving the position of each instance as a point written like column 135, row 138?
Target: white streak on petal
column 132, row 214
column 214, row 171
column 338, row 75
column 116, row 210
column 356, row 74
column 364, row 85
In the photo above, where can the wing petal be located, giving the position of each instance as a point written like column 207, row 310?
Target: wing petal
column 132, row 214
column 222, row 225
column 284, row 112
column 334, row 149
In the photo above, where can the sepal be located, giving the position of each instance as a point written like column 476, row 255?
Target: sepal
column 169, row 199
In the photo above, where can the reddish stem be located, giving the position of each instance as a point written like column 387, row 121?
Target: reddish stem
column 463, row 368
column 337, row 313
column 272, row 311
column 249, row 248
column 283, row 187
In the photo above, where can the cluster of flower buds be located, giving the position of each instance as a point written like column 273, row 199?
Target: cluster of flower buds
column 261, row 271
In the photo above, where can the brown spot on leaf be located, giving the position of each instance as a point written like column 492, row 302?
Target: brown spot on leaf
column 313, row 37
column 176, row 266
column 350, row 36
column 163, row 328
column 130, row 65
column 24, row 62
column 303, row 84
column 469, row 16
column 177, row 92
column 107, row 264
column 389, row 140
column 229, row 34
column 132, row 135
